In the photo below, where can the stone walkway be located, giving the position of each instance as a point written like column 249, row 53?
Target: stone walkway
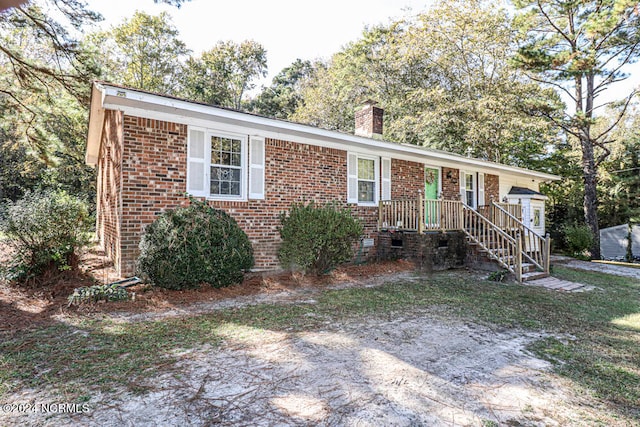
column 559, row 285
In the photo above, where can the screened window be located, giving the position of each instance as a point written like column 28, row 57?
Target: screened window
column 366, row 180
column 226, row 166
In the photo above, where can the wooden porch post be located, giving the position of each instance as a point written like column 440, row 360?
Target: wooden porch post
column 492, row 211
column 547, row 253
column 379, row 215
column 421, row 217
column 518, row 263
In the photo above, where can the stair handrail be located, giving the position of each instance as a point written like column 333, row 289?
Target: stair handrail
column 513, row 243
column 528, row 233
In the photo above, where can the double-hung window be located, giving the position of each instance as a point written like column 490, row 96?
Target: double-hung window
column 220, row 166
column 366, row 180
column 468, row 188
column 226, row 166
column 364, row 183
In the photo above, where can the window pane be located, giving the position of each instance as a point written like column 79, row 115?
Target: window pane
column 468, row 179
column 226, row 151
column 469, row 198
column 366, row 169
column 215, row 187
column 225, row 181
column 366, row 191
column 235, row 188
column 225, row 158
column 215, row 156
column 536, row 217
column 215, row 143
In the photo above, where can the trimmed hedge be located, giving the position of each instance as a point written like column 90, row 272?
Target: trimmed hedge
column 317, row 238
column 197, row 244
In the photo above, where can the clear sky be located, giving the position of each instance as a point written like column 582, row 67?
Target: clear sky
column 288, row 29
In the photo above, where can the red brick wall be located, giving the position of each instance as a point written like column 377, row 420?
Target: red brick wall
column 491, row 188
column 154, row 179
column 108, row 186
column 450, row 186
column 407, row 179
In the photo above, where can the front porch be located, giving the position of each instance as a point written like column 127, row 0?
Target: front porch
column 496, row 230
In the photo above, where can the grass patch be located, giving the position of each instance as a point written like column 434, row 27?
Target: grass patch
column 602, row 356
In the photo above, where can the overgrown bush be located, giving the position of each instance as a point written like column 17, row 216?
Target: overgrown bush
column 197, row 244
column 46, row 230
column 579, row 240
column 316, row 238
column 89, row 294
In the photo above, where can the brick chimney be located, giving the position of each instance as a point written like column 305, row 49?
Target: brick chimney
column 369, row 120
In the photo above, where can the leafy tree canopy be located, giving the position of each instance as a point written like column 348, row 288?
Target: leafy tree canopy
column 282, row 98
column 223, row 74
column 580, row 47
column 144, row 52
column 445, row 82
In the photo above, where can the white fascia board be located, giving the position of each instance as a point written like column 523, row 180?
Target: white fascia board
column 96, row 123
column 148, row 105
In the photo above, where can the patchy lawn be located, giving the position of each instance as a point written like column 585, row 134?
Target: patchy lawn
column 442, row 349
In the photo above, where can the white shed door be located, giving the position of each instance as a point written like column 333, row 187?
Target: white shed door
column 537, row 217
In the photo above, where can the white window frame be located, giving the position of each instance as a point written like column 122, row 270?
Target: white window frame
column 376, row 179
column 463, row 188
column 353, row 174
column 244, row 162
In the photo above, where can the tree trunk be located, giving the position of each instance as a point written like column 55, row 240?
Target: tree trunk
column 589, row 176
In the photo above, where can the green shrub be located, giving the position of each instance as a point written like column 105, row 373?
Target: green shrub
column 46, row 229
column 196, row 244
column 317, row 238
column 97, row 293
column 498, row 276
column 579, row 240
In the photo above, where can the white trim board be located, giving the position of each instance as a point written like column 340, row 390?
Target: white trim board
column 142, row 104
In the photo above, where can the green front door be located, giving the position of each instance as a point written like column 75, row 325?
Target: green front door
column 431, row 183
column 431, row 177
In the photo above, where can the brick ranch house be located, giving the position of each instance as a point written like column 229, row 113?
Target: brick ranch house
column 151, row 150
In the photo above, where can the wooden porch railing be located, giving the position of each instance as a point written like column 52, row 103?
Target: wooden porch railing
column 497, row 244
column 535, row 248
column 497, row 228
column 406, row 215
column 501, row 217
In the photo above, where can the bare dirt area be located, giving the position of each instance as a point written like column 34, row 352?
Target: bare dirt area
column 411, row 370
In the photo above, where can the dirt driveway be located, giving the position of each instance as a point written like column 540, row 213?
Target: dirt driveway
column 420, row 369
column 415, row 370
